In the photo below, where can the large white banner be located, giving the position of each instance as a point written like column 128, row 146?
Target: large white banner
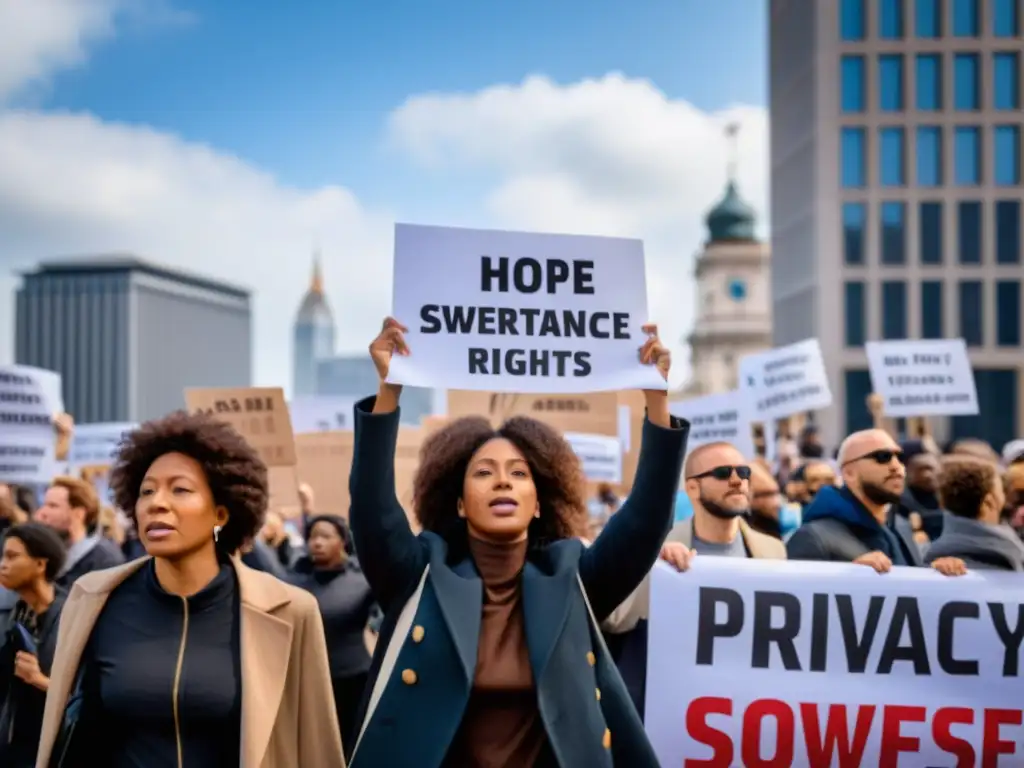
column 519, row 311
column 770, row 663
column 923, row 377
column 29, row 399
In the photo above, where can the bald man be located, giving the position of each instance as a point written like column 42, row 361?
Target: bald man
column 855, row 523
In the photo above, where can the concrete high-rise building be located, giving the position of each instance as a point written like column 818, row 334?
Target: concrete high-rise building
column 128, row 337
column 896, row 191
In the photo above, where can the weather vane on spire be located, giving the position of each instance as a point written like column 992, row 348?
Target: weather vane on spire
column 731, row 132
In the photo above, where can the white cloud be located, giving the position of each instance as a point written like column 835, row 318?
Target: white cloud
column 609, row 156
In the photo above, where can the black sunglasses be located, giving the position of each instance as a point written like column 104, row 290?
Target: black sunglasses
column 881, row 456
column 724, row 473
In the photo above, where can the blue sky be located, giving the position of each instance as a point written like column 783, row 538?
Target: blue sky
column 231, row 138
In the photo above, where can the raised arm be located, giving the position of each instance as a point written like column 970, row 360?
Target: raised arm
column 628, row 546
column 390, row 555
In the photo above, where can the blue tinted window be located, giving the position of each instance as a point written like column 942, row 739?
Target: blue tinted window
column 929, row 82
column 894, row 309
column 1005, row 18
column 855, row 221
column 891, row 160
column 1008, row 313
column 965, row 82
column 894, row 232
column 1006, row 81
column 996, row 421
column 1008, row 231
column 967, row 156
column 971, row 319
column 965, row 18
column 968, row 223
column 931, row 309
column 930, row 226
column 851, row 19
column 1006, row 155
column 890, row 19
column 929, row 156
column 890, row 82
column 928, row 18
column 854, row 157
column 857, row 388
column 852, row 72
column 854, row 308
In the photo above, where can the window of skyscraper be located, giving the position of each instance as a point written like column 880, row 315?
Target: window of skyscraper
column 928, row 18
column 929, row 156
column 1008, row 234
column 929, row 82
column 966, row 84
column 894, row 233
column 967, row 156
column 853, row 148
column 1006, row 81
column 890, row 82
column 930, row 231
column 853, row 303
column 1005, row 18
column 890, row 19
column 857, row 387
column 891, row 157
column 972, row 321
column 1006, row 155
column 853, row 91
column 851, row 19
column 966, row 18
column 1008, row 313
column 931, row 309
column 855, row 221
column 894, row 309
column 969, row 223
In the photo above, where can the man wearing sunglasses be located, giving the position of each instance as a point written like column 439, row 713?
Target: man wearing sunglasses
column 855, row 523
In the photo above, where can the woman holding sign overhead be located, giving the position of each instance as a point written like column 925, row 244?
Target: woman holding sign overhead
column 490, row 653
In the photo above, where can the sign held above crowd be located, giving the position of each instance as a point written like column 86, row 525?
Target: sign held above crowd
column 520, row 312
column 923, row 377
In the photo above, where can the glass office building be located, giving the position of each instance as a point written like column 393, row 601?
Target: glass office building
column 896, row 191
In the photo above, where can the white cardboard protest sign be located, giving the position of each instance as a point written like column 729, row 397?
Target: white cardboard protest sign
column 768, row 662
column 715, row 419
column 322, row 413
column 29, row 399
column 930, row 377
column 96, row 444
column 520, row 312
column 784, row 381
column 600, row 455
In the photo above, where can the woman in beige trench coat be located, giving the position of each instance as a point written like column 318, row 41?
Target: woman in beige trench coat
column 188, row 657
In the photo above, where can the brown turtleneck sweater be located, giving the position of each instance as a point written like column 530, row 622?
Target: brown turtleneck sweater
column 501, row 727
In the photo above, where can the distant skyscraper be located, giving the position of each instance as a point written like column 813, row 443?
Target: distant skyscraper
column 128, row 337
column 312, row 335
column 896, row 192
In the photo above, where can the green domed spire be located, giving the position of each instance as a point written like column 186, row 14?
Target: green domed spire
column 732, row 219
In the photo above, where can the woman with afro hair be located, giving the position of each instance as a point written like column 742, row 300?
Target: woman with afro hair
column 490, row 653
column 186, row 657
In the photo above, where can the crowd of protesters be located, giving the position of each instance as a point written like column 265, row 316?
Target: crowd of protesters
column 197, row 628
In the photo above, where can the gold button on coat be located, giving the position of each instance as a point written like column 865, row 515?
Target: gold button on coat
column 591, row 658
column 597, row 693
column 417, row 633
column 606, row 742
column 409, row 676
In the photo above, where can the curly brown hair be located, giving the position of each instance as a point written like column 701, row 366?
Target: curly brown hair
column 234, row 471
column 964, row 483
column 557, row 475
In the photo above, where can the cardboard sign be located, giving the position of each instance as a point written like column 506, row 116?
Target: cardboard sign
column 325, row 461
column 260, row 415
column 593, row 414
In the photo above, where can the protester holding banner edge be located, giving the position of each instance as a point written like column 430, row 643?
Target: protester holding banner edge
column 572, row 707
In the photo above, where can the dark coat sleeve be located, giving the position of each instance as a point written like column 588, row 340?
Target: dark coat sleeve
column 806, row 544
column 390, row 554
column 615, row 564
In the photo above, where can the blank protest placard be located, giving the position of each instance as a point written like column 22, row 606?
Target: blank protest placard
column 520, row 312
column 923, row 377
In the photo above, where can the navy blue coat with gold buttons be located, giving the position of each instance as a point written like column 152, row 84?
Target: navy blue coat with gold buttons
column 423, row 668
